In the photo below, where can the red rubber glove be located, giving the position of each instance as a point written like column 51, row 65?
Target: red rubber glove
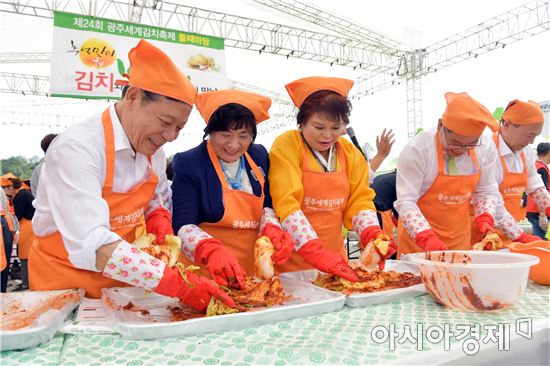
column 527, row 238
column 220, row 262
column 315, row 254
column 368, row 234
column 484, row 224
column 429, row 241
column 196, row 292
column 159, row 223
column 282, row 243
column 374, row 232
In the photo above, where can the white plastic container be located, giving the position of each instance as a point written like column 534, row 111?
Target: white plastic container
column 360, row 300
column 306, row 300
column 43, row 327
column 473, row 280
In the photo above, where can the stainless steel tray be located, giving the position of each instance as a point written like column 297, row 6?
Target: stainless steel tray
column 373, row 298
column 45, row 325
column 307, row 300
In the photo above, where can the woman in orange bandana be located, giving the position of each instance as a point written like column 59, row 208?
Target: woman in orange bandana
column 221, row 193
column 319, row 180
column 21, row 199
column 9, row 226
column 516, row 170
column 440, row 172
column 104, row 179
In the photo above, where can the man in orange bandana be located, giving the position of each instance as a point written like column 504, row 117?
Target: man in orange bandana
column 440, row 172
column 103, row 180
column 516, row 171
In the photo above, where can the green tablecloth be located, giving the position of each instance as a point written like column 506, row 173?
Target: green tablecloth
column 342, row 337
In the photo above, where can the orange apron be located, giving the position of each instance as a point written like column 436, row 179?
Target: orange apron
column 238, row 228
column 49, row 266
column 324, row 203
column 511, row 188
column 387, row 222
column 446, row 207
column 26, row 238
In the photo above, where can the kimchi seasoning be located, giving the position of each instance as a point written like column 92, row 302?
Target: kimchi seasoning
column 19, row 318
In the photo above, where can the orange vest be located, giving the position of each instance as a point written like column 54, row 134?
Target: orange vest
column 238, row 228
column 446, row 207
column 49, row 266
column 324, row 203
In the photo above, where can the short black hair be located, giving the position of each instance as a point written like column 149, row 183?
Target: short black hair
column 46, row 141
column 16, row 182
column 124, row 90
column 152, row 97
column 148, row 96
column 231, row 116
column 169, row 169
column 331, row 105
column 543, row 148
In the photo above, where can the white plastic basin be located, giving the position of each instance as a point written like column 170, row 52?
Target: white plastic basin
column 473, row 280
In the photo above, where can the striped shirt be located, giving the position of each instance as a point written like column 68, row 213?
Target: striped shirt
column 4, row 206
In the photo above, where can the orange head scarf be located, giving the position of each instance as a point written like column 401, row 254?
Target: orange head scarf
column 152, row 70
column 466, row 116
column 4, row 179
column 209, row 102
column 523, row 113
column 300, row 89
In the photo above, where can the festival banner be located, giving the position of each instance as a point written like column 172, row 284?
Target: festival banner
column 90, row 54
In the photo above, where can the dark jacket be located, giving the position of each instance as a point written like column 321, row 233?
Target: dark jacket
column 22, row 204
column 197, row 190
column 386, row 194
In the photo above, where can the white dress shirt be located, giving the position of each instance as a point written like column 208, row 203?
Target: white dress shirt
column 69, row 197
column 372, row 174
column 515, row 165
column 417, row 170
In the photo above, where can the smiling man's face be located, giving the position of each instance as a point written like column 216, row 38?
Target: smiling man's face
column 149, row 124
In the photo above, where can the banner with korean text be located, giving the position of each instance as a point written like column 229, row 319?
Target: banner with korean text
column 90, row 54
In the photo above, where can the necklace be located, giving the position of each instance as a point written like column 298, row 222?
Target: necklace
column 327, row 165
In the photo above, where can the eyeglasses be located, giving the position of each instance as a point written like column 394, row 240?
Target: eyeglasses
column 455, row 145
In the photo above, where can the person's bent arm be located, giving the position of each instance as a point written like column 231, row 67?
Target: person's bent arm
column 72, row 172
